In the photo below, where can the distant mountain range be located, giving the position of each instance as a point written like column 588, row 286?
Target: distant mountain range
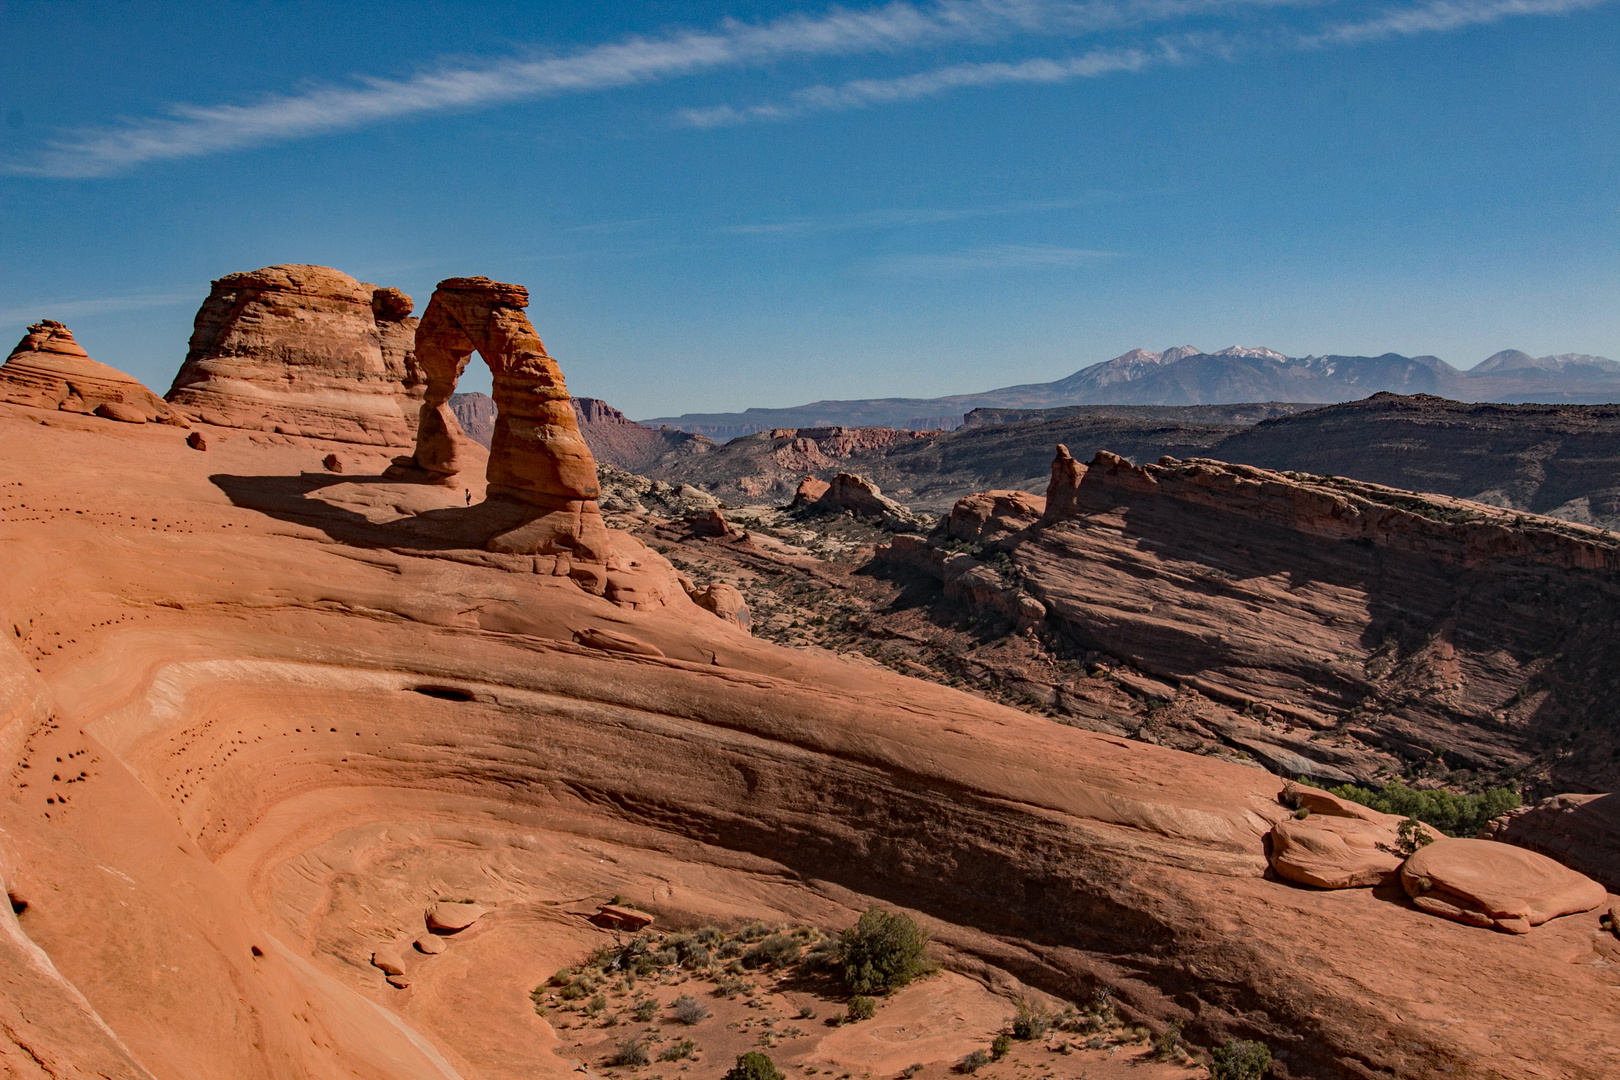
column 1186, row 375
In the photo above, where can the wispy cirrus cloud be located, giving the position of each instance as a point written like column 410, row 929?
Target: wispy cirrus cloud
column 895, row 28
column 1436, row 16
column 901, row 217
column 944, row 264
column 196, row 130
column 863, row 93
column 88, row 307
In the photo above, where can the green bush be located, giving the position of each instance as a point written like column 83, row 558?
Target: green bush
column 1167, row 1042
column 883, row 951
column 631, row 1051
column 754, row 1066
column 1410, row 836
column 1030, row 1023
column 1240, row 1059
column 973, row 1062
column 595, row 1005
column 778, row 950
column 678, row 1051
column 1452, row 814
column 646, row 1011
column 862, row 1007
column 688, row 1010
column 999, row 1048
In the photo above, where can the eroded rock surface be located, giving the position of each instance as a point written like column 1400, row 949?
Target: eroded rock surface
column 1487, row 884
column 1357, row 614
column 1333, row 843
column 1580, row 831
column 303, row 350
column 265, row 731
column 50, row 370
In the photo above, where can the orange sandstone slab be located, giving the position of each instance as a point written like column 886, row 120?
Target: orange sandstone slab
column 1484, row 883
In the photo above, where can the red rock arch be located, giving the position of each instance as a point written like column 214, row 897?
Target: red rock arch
column 537, row 455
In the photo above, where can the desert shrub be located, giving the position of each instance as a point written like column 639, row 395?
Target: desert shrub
column 1167, row 1042
column 697, row 958
column 708, row 936
column 999, row 1048
column 645, row 1011
column 754, row 931
column 538, row 996
column 778, row 950
column 688, row 1010
column 1031, row 1022
column 561, row 978
column 825, row 955
column 1452, row 814
column 1409, row 836
column 595, row 1005
column 862, row 1007
column 754, row 1066
column 1240, row 1059
column 678, row 1051
column 807, row 1012
column 729, row 986
column 631, row 1051
column 973, row 1062
column 808, row 933
column 883, row 951
column 729, row 949
column 577, row 987
column 664, row 958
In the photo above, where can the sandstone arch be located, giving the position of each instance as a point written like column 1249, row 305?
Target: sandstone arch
column 537, row 456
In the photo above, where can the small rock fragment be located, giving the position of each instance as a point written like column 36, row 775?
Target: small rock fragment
column 388, row 961
column 332, row 463
column 117, row 410
column 196, row 441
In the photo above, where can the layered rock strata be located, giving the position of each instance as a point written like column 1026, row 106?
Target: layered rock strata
column 1344, row 618
column 537, row 456
column 303, row 350
column 50, row 370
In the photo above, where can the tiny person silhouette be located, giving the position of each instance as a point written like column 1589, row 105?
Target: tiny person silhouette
column 469, row 495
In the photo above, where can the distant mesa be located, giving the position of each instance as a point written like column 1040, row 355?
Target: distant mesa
column 50, row 370
column 1186, row 375
column 304, row 350
column 614, row 438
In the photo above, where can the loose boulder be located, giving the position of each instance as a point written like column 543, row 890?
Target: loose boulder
column 50, row 370
column 1337, row 844
column 449, row 918
column 388, row 962
column 726, row 602
column 1484, row 883
column 304, row 350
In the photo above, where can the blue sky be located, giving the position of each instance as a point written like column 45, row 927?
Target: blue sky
column 717, row 205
